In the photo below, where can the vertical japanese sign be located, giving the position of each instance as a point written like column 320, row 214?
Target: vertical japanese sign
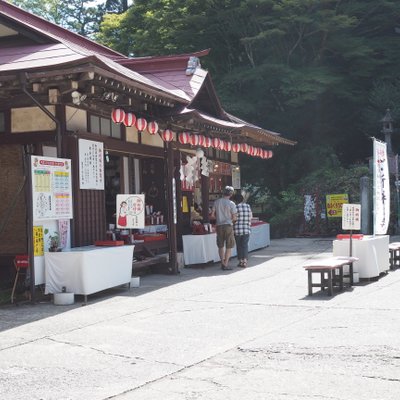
column 51, row 188
column 91, row 165
column 351, row 217
column 381, row 189
column 334, row 203
column 236, row 177
column 130, row 211
column 38, row 241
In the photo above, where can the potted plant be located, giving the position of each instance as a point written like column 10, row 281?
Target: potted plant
column 54, row 241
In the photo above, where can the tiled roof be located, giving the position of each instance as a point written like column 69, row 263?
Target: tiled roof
column 28, row 58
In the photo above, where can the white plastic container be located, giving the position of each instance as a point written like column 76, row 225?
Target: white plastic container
column 135, row 281
column 63, row 299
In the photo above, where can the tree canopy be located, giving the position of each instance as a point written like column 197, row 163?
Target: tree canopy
column 321, row 72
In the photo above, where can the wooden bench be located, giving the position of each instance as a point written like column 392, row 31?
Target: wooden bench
column 331, row 272
column 394, row 255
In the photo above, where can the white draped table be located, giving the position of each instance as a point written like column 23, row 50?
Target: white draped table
column 372, row 252
column 87, row 270
column 201, row 249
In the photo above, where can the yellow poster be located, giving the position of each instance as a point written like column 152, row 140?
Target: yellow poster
column 334, row 204
column 185, row 205
column 38, row 243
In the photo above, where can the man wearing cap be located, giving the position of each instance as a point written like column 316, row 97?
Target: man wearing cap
column 224, row 211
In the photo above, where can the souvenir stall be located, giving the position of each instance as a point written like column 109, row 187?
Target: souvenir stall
column 123, row 126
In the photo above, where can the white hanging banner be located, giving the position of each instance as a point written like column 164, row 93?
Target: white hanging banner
column 91, row 165
column 381, row 189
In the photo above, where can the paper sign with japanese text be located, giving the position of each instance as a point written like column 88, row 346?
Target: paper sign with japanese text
column 130, row 211
column 351, row 217
column 51, row 188
column 334, row 204
column 91, row 165
column 38, row 241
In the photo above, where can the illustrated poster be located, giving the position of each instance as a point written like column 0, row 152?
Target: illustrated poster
column 130, row 211
column 51, row 188
column 91, row 165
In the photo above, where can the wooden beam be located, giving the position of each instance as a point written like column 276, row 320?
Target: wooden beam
column 27, row 137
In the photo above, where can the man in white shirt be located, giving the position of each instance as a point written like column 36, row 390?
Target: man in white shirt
column 224, row 211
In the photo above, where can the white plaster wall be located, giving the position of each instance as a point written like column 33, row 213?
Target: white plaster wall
column 76, row 119
column 131, row 134
column 31, row 119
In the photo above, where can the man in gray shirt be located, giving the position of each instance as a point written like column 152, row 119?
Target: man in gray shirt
column 224, row 210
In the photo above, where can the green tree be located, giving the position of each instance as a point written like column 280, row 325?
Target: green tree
column 76, row 15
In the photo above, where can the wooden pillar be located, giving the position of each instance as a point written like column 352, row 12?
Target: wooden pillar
column 171, row 206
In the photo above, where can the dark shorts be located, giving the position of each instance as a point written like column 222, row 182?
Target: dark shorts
column 225, row 236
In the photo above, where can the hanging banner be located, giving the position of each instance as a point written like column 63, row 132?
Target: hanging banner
column 381, row 189
column 130, row 211
column 91, row 165
column 334, row 203
column 51, row 188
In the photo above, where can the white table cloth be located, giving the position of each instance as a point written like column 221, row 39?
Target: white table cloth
column 201, row 249
column 372, row 251
column 87, row 270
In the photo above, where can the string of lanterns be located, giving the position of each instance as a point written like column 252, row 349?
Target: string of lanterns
column 129, row 119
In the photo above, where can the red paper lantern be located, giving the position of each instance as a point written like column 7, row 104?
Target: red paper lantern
column 264, row 154
column 194, row 140
column 207, row 142
column 270, row 153
column 221, row 145
column 256, row 151
column 227, row 146
column 117, row 115
column 167, row 135
column 152, row 127
column 129, row 119
column 141, row 124
column 244, row 147
column 202, row 140
column 249, row 150
column 236, row 147
column 184, row 138
column 215, row 143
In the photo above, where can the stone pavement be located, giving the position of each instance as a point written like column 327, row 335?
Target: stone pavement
column 210, row 334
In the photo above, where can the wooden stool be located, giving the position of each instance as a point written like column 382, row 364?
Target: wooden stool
column 21, row 263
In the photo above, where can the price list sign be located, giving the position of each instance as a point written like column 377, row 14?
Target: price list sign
column 351, row 217
column 91, row 165
column 51, row 188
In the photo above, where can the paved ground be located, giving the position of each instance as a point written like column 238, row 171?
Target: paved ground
column 208, row 335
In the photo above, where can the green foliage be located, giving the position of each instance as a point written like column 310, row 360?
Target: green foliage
column 285, row 210
column 80, row 16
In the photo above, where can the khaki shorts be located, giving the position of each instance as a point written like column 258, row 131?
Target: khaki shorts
column 225, row 236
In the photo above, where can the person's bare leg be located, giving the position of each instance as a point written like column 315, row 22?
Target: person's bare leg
column 221, row 253
column 228, row 253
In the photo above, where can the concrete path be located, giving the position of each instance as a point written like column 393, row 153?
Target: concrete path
column 208, row 334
